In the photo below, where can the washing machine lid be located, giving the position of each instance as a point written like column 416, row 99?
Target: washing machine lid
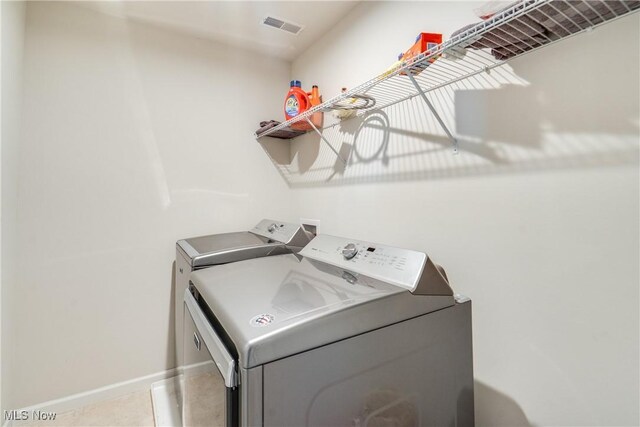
column 278, row 306
column 268, row 237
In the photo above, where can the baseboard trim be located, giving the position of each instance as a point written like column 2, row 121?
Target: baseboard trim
column 79, row 400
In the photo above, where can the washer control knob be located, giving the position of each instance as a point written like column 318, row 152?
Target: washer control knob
column 272, row 227
column 349, row 251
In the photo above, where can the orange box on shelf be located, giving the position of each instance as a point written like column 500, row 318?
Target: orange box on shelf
column 424, row 42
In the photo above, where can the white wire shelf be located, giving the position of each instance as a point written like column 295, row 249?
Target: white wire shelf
column 524, row 27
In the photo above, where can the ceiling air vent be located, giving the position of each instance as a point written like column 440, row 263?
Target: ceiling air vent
column 289, row 27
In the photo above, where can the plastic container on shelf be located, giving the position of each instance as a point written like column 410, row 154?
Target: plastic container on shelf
column 316, row 99
column 297, row 100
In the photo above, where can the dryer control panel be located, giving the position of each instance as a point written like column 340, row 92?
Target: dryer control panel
column 279, row 231
column 401, row 267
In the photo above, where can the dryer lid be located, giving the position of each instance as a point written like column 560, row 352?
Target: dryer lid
column 266, row 238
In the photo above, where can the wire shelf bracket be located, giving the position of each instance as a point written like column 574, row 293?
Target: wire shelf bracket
column 423, row 95
column 325, row 141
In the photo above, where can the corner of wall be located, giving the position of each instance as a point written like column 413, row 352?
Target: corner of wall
column 12, row 18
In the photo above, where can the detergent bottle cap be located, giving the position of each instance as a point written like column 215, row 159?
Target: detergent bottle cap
column 296, row 83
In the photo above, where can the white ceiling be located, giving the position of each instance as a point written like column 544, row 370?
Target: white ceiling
column 237, row 23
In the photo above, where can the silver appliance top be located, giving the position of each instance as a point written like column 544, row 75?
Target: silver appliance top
column 408, row 269
column 279, row 306
column 268, row 237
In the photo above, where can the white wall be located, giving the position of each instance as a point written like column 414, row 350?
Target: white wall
column 134, row 137
column 138, row 136
column 536, row 220
column 13, row 17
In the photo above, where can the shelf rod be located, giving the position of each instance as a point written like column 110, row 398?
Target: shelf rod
column 435, row 113
column 325, row 141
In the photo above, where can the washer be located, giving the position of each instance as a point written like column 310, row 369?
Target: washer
column 267, row 238
column 344, row 333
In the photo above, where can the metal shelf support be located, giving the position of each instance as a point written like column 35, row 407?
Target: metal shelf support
column 325, row 141
column 454, row 141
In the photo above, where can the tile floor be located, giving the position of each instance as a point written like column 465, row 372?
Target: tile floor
column 133, row 409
